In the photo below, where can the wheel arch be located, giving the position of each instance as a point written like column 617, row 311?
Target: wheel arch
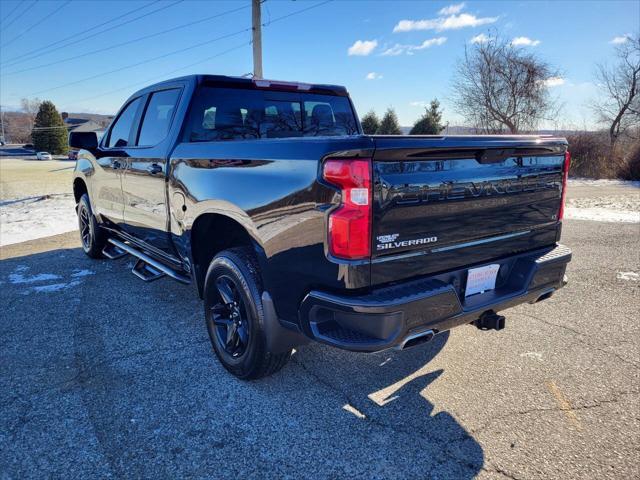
column 212, row 233
column 79, row 188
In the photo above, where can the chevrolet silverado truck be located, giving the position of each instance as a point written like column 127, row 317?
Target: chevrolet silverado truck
column 292, row 225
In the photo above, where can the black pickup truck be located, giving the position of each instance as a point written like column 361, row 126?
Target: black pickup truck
column 293, row 225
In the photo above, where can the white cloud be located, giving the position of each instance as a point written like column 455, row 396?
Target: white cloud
column 451, row 22
column 363, row 47
column 525, row 41
column 419, row 103
column 554, row 81
column 400, row 49
column 373, row 76
column 480, row 38
column 451, row 9
column 621, row 39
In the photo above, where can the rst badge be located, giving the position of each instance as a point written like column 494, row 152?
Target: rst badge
column 387, row 242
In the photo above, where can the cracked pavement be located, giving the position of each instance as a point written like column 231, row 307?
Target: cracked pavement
column 115, row 378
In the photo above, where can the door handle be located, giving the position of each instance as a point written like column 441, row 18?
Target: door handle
column 154, row 168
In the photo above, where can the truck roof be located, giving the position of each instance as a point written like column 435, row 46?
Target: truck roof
column 243, row 82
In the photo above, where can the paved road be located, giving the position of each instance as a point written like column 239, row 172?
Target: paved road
column 16, row 150
column 105, row 376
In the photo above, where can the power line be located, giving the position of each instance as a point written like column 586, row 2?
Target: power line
column 46, row 17
column 165, row 74
column 117, row 45
column 174, row 52
column 47, row 49
column 19, row 15
column 181, row 50
column 11, row 12
column 28, row 55
column 50, row 128
column 296, row 12
column 155, row 78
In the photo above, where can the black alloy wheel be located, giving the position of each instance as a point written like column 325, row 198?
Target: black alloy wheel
column 92, row 237
column 85, row 227
column 234, row 315
column 230, row 318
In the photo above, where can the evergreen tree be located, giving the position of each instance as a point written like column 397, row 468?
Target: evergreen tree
column 389, row 124
column 49, row 133
column 370, row 123
column 431, row 121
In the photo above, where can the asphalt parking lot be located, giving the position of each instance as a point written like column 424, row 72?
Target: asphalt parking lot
column 103, row 375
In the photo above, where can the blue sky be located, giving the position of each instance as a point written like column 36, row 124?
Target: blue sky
column 387, row 53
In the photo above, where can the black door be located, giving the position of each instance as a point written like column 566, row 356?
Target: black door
column 146, row 212
column 108, row 200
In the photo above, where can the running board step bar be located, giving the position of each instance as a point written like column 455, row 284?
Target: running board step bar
column 146, row 272
column 112, row 252
column 147, row 268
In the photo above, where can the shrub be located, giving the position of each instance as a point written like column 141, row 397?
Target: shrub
column 430, row 123
column 370, row 123
column 592, row 156
column 389, row 124
column 49, row 133
column 631, row 170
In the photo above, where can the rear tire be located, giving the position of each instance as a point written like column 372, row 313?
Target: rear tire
column 92, row 237
column 235, row 316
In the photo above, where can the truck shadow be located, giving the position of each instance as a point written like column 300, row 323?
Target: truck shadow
column 390, row 390
column 123, row 371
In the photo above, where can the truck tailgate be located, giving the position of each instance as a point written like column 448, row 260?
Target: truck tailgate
column 441, row 203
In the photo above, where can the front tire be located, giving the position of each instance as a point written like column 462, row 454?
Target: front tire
column 92, row 237
column 235, row 316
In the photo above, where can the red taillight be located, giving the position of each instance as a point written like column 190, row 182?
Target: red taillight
column 350, row 224
column 565, row 176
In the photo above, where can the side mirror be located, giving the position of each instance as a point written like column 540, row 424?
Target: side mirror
column 83, row 140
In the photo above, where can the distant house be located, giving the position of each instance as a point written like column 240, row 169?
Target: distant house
column 86, row 122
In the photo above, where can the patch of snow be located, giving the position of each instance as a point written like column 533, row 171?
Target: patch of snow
column 55, row 287
column 632, row 276
column 590, row 182
column 82, row 273
column 36, row 217
column 536, row 355
column 30, row 281
column 613, row 202
column 602, row 215
column 17, row 278
column 613, row 208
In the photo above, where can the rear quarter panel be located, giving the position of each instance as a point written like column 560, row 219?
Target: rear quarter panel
column 271, row 188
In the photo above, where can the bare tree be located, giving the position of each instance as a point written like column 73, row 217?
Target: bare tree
column 17, row 127
column 619, row 107
column 30, row 107
column 499, row 86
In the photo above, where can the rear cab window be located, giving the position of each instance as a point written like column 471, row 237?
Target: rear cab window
column 219, row 114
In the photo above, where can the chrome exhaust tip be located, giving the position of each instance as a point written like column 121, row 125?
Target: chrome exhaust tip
column 415, row 339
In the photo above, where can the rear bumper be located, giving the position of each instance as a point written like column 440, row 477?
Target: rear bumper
column 386, row 317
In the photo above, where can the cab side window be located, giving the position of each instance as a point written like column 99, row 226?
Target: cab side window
column 121, row 130
column 157, row 117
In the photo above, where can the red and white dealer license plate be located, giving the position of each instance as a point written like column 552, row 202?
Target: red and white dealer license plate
column 482, row 279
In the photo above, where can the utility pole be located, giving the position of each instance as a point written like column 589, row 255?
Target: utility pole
column 2, row 124
column 256, row 17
